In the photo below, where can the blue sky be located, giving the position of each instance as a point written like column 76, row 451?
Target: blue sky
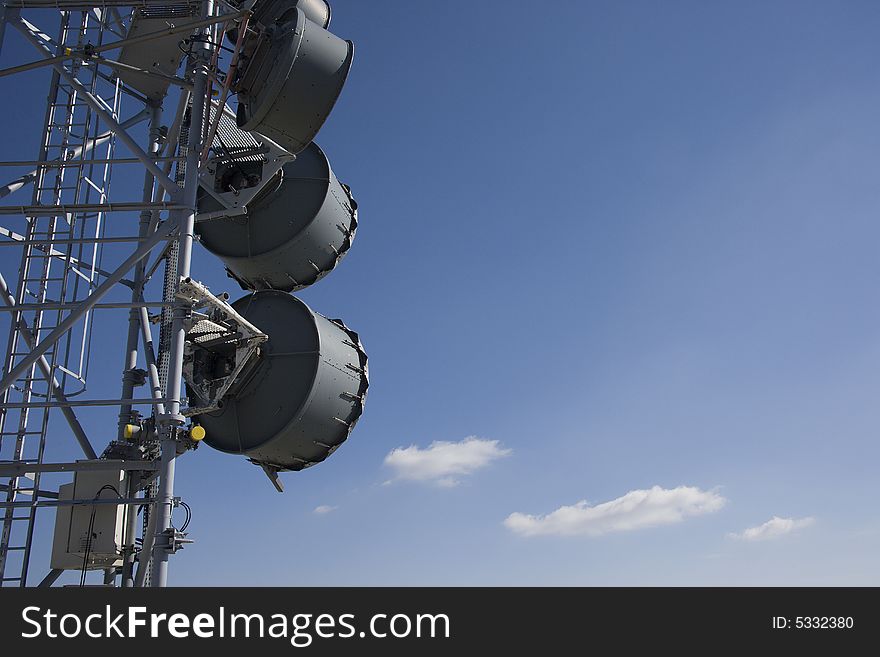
column 633, row 243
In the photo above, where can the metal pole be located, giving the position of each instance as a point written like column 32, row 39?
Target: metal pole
column 46, row 369
column 173, row 420
column 131, row 350
column 150, row 357
column 131, row 344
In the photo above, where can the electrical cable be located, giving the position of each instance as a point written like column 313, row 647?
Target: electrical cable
column 90, row 536
column 188, row 516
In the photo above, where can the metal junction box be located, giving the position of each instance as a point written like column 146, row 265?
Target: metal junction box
column 92, row 532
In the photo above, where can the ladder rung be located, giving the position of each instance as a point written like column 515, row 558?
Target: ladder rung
column 10, row 579
column 17, row 548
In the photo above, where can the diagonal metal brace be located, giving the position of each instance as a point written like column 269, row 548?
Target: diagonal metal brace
column 69, row 415
column 174, row 29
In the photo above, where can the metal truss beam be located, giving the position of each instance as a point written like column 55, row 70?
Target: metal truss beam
column 95, row 465
column 74, row 306
column 82, row 402
column 55, row 164
column 54, row 60
column 84, row 240
column 81, row 4
column 75, row 208
column 55, row 503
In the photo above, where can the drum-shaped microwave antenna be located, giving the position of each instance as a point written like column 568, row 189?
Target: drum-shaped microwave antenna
column 267, row 12
column 293, row 74
column 303, row 396
column 296, row 230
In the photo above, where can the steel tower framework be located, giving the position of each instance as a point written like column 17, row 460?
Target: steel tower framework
column 69, row 263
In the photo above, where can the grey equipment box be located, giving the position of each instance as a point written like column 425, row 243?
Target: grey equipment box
column 107, row 522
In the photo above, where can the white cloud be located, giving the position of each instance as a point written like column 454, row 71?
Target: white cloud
column 635, row 510
column 324, row 509
column 442, row 462
column 773, row 528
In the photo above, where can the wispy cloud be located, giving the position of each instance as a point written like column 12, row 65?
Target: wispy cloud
column 324, row 509
column 773, row 528
column 443, row 462
column 635, row 510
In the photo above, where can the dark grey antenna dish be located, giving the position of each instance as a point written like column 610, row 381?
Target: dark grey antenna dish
column 294, row 73
column 295, row 231
column 305, row 394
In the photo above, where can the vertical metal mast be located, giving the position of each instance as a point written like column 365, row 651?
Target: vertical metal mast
column 166, row 535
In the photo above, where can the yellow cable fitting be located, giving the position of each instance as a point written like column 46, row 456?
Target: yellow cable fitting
column 197, row 432
column 131, row 430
